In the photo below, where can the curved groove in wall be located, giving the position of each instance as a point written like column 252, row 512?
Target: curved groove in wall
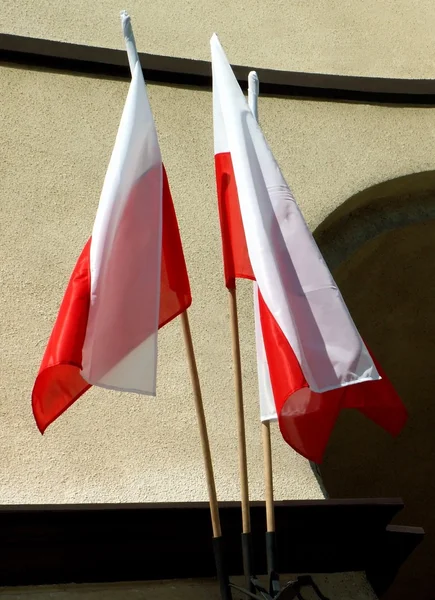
column 389, row 205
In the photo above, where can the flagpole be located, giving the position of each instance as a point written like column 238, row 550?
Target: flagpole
column 253, row 92
column 214, row 510
column 130, row 42
column 241, row 437
column 243, row 461
column 222, row 574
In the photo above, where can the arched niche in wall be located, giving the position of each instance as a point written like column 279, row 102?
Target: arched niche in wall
column 380, row 245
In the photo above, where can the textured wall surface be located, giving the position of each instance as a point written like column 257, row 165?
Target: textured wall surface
column 393, row 38
column 57, row 132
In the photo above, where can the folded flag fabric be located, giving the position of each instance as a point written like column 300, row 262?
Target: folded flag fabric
column 311, row 359
column 130, row 279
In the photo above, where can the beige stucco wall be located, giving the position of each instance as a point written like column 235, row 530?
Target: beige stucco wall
column 392, row 38
column 56, row 135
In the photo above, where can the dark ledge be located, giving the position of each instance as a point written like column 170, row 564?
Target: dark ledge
column 62, row 56
column 127, row 542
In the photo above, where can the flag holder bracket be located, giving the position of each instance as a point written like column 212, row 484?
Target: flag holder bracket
column 289, row 591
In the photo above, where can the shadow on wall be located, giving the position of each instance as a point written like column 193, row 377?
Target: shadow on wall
column 380, row 245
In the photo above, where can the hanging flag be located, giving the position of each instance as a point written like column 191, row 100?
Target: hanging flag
column 311, row 359
column 129, row 280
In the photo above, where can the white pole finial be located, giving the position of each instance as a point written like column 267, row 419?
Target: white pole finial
column 130, row 43
column 253, row 91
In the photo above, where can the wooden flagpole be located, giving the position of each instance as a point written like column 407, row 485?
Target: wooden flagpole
column 241, row 440
column 214, row 510
column 268, row 476
column 221, row 570
column 222, row 573
column 237, row 363
column 253, row 91
column 248, row 567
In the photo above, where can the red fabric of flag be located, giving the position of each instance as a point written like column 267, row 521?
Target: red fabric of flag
column 311, row 359
column 234, row 249
column 306, row 418
column 59, row 382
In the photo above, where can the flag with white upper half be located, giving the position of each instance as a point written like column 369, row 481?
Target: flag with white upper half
column 311, row 359
column 129, row 280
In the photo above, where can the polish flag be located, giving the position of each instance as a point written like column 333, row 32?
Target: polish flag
column 129, row 280
column 311, row 359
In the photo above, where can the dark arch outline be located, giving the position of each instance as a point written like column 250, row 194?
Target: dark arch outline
column 389, row 205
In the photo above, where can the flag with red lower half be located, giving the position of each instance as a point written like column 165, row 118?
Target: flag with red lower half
column 129, row 280
column 311, row 359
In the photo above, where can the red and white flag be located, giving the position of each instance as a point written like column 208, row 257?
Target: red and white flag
column 129, row 281
column 312, row 361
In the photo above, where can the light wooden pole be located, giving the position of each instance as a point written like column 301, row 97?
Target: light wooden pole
column 248, row 567
column 211, row 487
column 240, row 416
column 222, row 572
column 133, row 59
column 241, row 439
column 268, row 476
column 253, row 91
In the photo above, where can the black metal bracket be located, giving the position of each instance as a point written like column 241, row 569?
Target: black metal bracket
column 221, row 568
column 289, row 591
column 253, row 588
